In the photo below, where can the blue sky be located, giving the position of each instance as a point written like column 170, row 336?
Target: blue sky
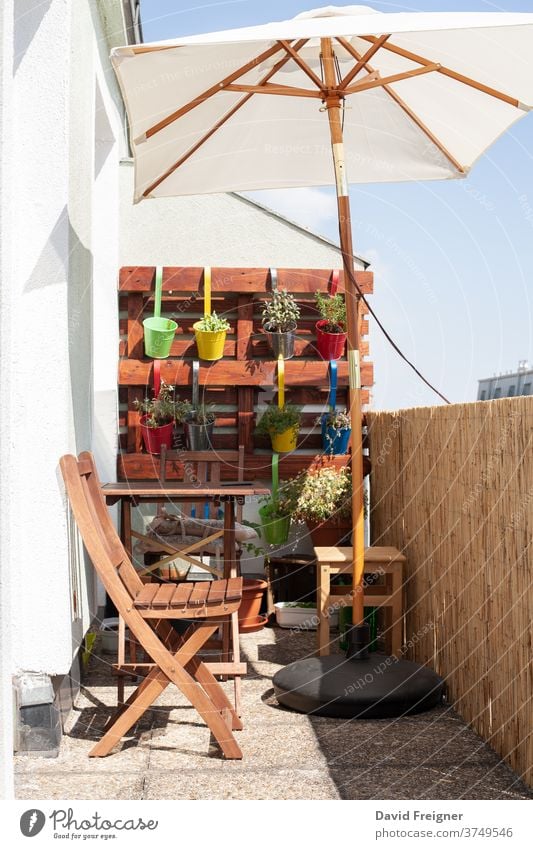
column 453, row 260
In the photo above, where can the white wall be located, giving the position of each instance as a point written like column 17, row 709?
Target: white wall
column 60, row 282
column 213, row 230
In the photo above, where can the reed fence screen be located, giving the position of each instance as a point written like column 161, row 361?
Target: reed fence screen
column 452, row 488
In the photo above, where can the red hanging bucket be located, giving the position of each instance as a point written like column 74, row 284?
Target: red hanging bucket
column 330, row 345
column 155, row 437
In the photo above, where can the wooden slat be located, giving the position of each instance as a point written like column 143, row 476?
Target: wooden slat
column 217, row 592
column 199, row 594
column 163, row 596
column 140, row 467
column 254, row 373
column 237, row 280
column 182, row 593
column 234, row 589
column 146, row 596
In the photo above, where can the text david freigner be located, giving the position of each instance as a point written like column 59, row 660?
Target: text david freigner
column 434, row 816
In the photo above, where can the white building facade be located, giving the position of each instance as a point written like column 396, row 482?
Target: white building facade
column 507, row 384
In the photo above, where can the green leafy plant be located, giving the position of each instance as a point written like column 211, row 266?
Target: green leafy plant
column 202, row 414
column 323, row 494
column 281, row 313
column 213, row 323
column 164, row 409
column 279, row 419
column 332, row 310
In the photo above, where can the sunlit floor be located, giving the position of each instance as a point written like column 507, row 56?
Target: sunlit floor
column 170, row 753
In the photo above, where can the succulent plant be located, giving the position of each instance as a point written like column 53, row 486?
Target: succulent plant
column 279, row 419
column 213, row 323
column 281, row 312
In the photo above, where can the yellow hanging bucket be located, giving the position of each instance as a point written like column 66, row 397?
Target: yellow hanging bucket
column 286, row 441
column 210, row 343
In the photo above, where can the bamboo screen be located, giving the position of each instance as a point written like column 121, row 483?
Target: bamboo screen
column 452, row 487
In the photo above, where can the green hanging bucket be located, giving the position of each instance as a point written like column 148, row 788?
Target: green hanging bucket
column 158, row 332
column 275, row 530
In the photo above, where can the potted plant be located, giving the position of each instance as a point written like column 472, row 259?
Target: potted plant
column 158, row 417
column 210, row 333
column 276, row 512
column 324, row 502
column 336, row 430
column 198, row 425
column 280, row 315
column 331, row 329
column 282, row 424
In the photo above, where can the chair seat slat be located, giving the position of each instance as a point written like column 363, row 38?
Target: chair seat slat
column 234, row 589
column 217, row 592
column 144, row 600
column 164, row 595
column 199, row 594
column 181, row 596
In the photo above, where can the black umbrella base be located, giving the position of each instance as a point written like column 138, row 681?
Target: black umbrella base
column 358, row 688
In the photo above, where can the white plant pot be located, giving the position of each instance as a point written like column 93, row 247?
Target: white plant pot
column 303, row 618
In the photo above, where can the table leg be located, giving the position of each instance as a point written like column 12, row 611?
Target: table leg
column 396, row 611
column 125, row 525
column 322, row 597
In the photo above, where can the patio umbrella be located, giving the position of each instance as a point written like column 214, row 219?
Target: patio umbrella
column 335, row 95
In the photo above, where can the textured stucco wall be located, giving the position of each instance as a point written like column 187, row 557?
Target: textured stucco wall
column 213, row 230
column 6, row 230
column 61, row 283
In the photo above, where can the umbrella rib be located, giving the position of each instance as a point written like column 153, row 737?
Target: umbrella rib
column 407, row 109
column 360, row 64
column 270, row 88
column 303, row 65
column 449, row 72
column 209, row 92
column 220, row 123
column 394, row 78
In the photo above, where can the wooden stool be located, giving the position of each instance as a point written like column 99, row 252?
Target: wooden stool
column 385, row 562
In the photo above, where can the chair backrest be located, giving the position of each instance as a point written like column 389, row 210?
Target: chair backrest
column 101, row 540
column 204, row 466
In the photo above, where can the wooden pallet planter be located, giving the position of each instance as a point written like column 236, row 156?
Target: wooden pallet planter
column 238, row 383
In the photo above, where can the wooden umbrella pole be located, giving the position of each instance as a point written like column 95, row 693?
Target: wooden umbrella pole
column 333, row 104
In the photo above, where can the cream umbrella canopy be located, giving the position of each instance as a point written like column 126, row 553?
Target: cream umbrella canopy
column 335, row 95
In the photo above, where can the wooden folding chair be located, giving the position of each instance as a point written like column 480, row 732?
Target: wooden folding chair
column 146, row 610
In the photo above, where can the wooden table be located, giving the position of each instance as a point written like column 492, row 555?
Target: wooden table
column 379, row 560
column 134, row 493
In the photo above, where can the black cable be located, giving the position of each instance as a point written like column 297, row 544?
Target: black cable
column 393, row 343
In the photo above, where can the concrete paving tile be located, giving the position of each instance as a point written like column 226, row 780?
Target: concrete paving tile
column 79, row 785
column 393, row 782
column 191, row 746
column 260, row 784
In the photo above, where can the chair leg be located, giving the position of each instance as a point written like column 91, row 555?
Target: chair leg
column 154, row 685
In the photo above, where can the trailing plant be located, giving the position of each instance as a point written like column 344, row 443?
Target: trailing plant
column 279, row 419
column 164, row 409
column 324, row 494
column 286, row 500
column 213, row 324
column 281, row 313
column 333, row 311
column 338, row 419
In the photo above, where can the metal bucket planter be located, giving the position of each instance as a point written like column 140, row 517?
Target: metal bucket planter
column 276, row 531
column 286, row 441
column 198, row 437
column 210, row 343
column 155, row 437
column 158, row 332
column 158, row 336
column 335, row 440
column 330, row 345
column 282, row 344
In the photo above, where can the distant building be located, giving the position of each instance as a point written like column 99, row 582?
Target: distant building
column 507, row 384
